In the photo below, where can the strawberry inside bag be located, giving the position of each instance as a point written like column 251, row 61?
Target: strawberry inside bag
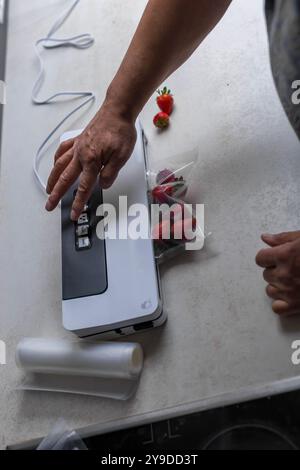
column 177, row 224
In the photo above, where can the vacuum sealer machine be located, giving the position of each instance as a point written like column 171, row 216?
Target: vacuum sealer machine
column 110, row 286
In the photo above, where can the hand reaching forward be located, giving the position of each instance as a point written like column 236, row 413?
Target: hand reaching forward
column 99, row 152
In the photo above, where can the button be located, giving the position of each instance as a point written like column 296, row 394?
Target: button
column 83, row 243
column 82, row 230
column 83, row 219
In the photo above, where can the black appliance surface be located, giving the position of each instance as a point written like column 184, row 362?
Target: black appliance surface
column 266, row 424
column 84, row 269
column 271, row 423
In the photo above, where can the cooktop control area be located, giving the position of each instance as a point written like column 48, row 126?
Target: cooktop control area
column 82, row 250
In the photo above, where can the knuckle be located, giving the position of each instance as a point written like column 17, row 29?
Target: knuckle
column 64, row 178
column 77, row 144
column 90, row 161
column 281, row 237
column 272, row 292
column 83, row 189
column 79, row 147
column 284, row 277
column 59, row 165
column 284, row 253
column 78, row 206
column 86, row 153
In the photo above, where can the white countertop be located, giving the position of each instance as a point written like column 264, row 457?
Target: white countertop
column 222, row 342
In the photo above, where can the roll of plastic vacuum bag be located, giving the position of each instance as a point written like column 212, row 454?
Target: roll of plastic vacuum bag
column 107, row 369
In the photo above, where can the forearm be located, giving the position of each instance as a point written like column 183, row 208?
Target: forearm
column 168, row 33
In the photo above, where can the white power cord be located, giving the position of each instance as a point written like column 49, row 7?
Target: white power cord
column 81, row 41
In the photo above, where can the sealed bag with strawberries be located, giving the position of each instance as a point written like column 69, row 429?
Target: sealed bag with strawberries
column 177, row 222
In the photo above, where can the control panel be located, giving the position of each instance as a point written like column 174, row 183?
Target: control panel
column 84, row 268
column 83, row 232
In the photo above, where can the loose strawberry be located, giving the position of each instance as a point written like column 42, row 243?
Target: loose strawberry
column 165, row 101
column 161, row 120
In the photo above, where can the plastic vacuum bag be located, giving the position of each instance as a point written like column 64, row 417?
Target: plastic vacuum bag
column 177, row 224
column 106, row 369
column 61, row 438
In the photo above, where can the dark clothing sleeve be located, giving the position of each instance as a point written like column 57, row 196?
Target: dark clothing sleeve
column 283, row 25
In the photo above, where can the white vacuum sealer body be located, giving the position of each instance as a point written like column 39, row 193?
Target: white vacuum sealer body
column 110, row 287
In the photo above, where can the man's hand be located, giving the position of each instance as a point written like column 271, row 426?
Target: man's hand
column 282, row 271
column 108, row 141
column 100, row 151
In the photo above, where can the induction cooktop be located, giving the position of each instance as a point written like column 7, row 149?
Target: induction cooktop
column 271, row 423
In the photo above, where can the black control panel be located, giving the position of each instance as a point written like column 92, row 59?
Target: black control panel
column 84, row 269
column 83, row 232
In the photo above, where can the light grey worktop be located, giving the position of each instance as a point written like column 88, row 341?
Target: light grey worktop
column 221, row 337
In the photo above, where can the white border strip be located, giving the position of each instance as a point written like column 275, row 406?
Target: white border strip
column 2, row 92
column 2, row 10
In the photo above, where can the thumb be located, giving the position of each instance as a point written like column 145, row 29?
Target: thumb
column 280, row 238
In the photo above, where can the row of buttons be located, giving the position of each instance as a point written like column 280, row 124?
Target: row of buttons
column 82, row 230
